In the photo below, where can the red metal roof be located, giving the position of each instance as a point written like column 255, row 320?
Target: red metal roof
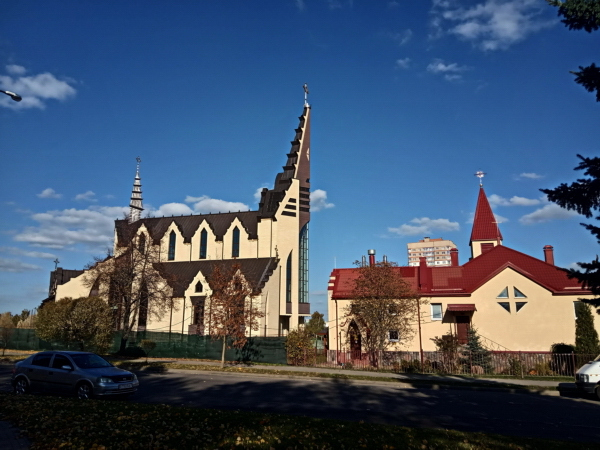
column 485, row 227
column 455, row 307
column 462, row 281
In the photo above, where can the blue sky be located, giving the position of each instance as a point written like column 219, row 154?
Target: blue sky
column 409, row 99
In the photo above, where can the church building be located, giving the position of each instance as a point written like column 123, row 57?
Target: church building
column 516, row 302
column 269, row 244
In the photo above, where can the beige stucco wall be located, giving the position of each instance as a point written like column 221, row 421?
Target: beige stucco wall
column 74, row 288
column 544, row 320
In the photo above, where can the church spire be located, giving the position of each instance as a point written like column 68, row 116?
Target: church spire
column 135, row 205
column 485, row 233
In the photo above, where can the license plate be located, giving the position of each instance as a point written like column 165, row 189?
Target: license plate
column 126, row 386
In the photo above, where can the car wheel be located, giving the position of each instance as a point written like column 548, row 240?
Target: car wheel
column 597, row 391
column 84, row 391
column 21, row 386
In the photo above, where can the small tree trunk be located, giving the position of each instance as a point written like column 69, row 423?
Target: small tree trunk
column 123, row 345
column 223, row 352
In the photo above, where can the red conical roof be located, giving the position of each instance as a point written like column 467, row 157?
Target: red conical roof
column 485, row 227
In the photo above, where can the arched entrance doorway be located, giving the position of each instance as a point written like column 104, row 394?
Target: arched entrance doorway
column 355, row 340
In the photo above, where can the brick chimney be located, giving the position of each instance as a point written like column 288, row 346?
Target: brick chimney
column 371, row 257
column 549, row 254
column 454, row 257
column 425, row 279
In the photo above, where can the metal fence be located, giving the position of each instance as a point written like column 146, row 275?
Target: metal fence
column 168, row 345
column 515, row 364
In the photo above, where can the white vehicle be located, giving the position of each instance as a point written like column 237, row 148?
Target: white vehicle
column 587, row 378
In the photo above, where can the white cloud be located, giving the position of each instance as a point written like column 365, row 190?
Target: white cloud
column 424, row 226
column 531, row 175
column 300, row 5
column 403, row 63
column 402, row 37
column 92, row 227
column 496, row 200
column 547, row 213
column 318, row 200
column 492, row 24
column 15, row 266
column 205, row 205
column 450, row 71
column 13, row 69
column 86, row 196
column 29, row 254
column 49, row 193
column 34, row 89
column 173, row 209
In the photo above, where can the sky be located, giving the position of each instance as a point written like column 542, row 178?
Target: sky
column 409, row 100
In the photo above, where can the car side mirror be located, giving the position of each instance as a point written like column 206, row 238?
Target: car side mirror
column 66, row 368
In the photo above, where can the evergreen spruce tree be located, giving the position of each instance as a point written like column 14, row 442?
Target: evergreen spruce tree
column 583, row 195
column 475, row 354
column 586, row 336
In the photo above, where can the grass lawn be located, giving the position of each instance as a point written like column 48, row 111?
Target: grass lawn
column 52, row 422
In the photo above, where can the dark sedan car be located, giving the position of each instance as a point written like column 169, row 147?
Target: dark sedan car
column 81, row 373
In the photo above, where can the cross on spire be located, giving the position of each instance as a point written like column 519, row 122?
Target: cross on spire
column 305, row 94
column 479, row 174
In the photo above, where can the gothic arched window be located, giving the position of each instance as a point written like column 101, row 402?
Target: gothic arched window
column 172, row 238
column 203, row 244
column 235, row 250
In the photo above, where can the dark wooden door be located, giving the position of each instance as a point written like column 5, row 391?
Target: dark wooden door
column 462, row 327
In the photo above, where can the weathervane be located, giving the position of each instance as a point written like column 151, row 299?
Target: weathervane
column 305, row 94
column 479, row 174
column 139, row 160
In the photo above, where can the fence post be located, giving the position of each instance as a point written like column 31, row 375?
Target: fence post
column 521, row 364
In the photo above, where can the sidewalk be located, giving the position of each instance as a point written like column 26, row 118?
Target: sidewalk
column 409, row 380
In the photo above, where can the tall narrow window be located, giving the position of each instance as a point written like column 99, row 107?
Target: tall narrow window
column 288, row 279
column 172, row 238
column 203, row 242
column 303, row 269
column 142, row 243
column 235, row 250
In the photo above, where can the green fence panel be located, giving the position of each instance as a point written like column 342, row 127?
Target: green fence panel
column 170, row 345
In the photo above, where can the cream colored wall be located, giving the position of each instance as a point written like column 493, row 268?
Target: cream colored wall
column 543, row 321
column 287, row 241
column 182, row 251
column 214, row 249
column 248, row 247
column 476, row 247
column 74, row 288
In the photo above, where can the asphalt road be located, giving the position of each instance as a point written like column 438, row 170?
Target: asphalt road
column 461, row 409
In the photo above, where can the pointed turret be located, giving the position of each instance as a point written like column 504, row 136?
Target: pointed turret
column 135, row 205
column 485, row 233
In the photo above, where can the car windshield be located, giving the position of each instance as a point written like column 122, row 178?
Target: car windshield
column 597, row 358
column 90, row 361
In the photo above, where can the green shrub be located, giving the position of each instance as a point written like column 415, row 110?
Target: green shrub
column 515, row 367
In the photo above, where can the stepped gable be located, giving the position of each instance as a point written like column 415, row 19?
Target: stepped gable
column 485, row 227
column 219, row 223
column 271, row 198
column 180, row 274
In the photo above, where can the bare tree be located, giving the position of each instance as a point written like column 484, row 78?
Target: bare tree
column 232, row 312
column 383, row 306
column 133, row 283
